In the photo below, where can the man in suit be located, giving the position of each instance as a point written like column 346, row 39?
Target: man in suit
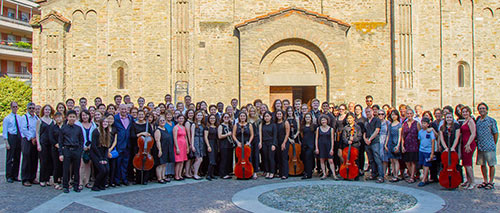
column 123, row 122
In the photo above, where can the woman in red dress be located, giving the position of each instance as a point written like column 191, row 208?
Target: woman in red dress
column 181, row 146
column 468, row 146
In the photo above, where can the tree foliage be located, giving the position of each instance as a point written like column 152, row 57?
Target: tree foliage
column 12, row 89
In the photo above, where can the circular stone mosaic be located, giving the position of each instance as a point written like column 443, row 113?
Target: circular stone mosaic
column 337, row 198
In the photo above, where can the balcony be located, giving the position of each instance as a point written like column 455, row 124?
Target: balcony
column 20, row 50
column 21, row 75
column 15, row 24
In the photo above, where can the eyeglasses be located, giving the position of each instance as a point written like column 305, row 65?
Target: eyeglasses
column 381, row 114
column 480, row 108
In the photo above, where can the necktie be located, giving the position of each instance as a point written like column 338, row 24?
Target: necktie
column 17, row 127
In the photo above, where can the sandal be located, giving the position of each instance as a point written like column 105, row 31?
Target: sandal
column 471, row 186
column 394, row 180
column 410, row 181
column 482, row 185
column 88, row 185
column 489, row 186
column 464, row 184
column 161, row 182
column 80, row 187
column 42, row 184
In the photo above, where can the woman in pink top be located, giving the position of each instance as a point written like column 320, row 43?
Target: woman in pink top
column 181, row 146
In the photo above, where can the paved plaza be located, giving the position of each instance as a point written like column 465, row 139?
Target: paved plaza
column 213, row 196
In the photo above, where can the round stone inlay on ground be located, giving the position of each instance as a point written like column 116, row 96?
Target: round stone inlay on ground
column 333, row 196
column 337, row 198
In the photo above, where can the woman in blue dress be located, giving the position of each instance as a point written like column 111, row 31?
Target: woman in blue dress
column 393, row 143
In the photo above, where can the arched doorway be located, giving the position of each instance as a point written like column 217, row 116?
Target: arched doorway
column 295, row 68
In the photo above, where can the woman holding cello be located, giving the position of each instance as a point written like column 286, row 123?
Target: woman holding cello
column 351, row 135
column 449, row 134
column 138, row 130
column 295, row 165
column 242, row 136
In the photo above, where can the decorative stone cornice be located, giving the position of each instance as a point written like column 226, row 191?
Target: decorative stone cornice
column 36, row 21
column 290, row 10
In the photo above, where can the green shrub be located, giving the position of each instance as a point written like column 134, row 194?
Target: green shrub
column 23, row 45
column 12, row 89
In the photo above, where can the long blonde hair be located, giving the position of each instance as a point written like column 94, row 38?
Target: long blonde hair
column 104, row 134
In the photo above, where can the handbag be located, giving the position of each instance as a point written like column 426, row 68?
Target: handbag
column 86, row 157
column 114, row 154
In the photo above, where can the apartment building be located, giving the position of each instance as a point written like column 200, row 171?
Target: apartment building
column 16, row 37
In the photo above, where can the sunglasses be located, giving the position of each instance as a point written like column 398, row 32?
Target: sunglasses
column 381, row 114
column 31, row 107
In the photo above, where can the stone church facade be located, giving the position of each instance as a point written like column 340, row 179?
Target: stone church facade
column 434, row 53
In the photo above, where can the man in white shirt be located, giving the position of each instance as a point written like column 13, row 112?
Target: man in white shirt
column 29, row 146
column 12, row 138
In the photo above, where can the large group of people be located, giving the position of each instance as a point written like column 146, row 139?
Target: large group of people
column 93, row 146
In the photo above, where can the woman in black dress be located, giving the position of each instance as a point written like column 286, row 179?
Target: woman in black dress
column 283, row 129
column 140, row 128
column 44, row 145
column 324, row 146
column 189, row 173
column 254, row 119
column 268, row 142
column 165, row 147
column 242, row 131
column 307, row 134
column 99, row 153
column 111, row 149
column 210, row 135
column 226, row 144
column 54, row 135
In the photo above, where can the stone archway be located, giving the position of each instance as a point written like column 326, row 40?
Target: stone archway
column 292, row 48
column 295, row 68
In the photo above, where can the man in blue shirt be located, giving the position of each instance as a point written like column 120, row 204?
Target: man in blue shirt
column 487, row 137
column 12, row 138
column 29, row 146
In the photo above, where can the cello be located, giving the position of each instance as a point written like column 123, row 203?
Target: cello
column 349, row 170
column 243, row 168
column 449, row 177
column 294, row 162
column 143, row 160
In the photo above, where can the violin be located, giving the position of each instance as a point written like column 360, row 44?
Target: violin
column 449, row 177
column 294, row 163
column 349, row 170
column 243, row 168
column 143, row 160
